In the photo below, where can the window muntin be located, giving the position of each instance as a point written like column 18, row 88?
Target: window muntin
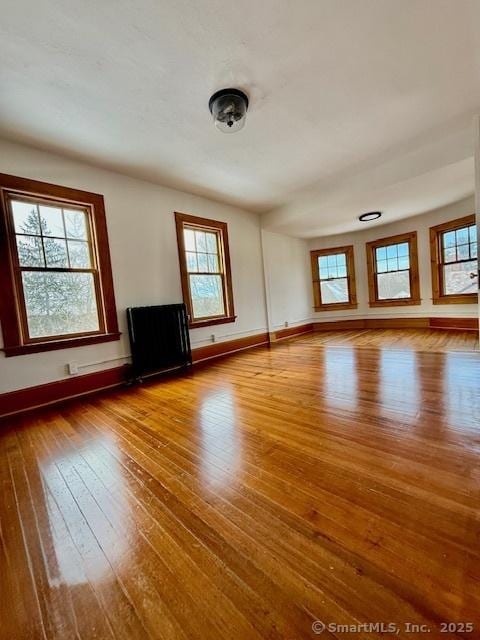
column 393, row 277
column 205, row 269
column 454, row 260
column 333, row 274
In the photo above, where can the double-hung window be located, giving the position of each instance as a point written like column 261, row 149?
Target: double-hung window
column 333, row 274
column 55, row 268
column 205, row 270
column 393, row 277
column 453, row 248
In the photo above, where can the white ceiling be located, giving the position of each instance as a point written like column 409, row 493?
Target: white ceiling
column 355, row 104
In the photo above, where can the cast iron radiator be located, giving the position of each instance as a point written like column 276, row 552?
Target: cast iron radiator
column 159, row 338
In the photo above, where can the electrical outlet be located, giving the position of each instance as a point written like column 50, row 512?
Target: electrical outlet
column 72, row 368
column 286, row 323
column 213, row 337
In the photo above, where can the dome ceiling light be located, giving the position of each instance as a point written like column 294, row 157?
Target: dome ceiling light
column 229, row 109
column 371, row 215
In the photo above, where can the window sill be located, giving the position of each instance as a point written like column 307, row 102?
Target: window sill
column 338, row 305
column 466, row 298
column 196, row 324
column 394, row 303
column 51, row 345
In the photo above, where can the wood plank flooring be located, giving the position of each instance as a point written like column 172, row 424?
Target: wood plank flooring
column 438, row 340
column 247, row 500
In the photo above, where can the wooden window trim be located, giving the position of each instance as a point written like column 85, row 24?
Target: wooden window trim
column 438, row 297
column 15, row 339
column 352, row 290
column 185, row 219
column 414, row 299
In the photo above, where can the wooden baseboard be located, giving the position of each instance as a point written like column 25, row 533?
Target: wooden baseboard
column 218, row 349
column 289, row 332
column 60, row 390
column 456, row 324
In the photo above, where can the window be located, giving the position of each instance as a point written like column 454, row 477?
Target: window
column 393, row 271
column 333, row 273
column 205, row 270
column 55, row 268
column 453, row 247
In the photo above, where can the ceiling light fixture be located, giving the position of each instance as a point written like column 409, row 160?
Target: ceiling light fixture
column 368, row 217
column 229, row 108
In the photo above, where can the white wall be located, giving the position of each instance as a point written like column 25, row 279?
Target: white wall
column 144, row 257
column 421, row 224
column 288, row 280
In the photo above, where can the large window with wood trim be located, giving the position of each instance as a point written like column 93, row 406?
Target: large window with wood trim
column 205, row 270
column 55, row 268
column 333, row 274
column 393, row 277
column 453, row 247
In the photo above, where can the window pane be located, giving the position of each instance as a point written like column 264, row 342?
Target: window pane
column 334, row 291
column 403, row 249
column 211, row 242
column 52, row 221
column 392, row 264
column 189, row 239
column 213, row 263
column 30, row 252
column 56, row 253
column 79, row 254
column 25, row 217
column 207, row 296
column 202, row 262
column 449, row 239
column 473, row 250
column 342, row 271
column 332, row 261
column 76, row 224
column 457, row 280
column 192, row 262
column 201, row 241
column 392, row 251
column 341, row 259
column 393, row 285
column 450, row 254
column 59, row 303
column 462, row 235
column 472, row 233
column 323, row 262
column 404, row 263
column 381, row 266
column 463, row 252
column 381, row 253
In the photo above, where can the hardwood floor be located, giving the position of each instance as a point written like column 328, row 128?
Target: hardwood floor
column 411, row 339
column 249, row 499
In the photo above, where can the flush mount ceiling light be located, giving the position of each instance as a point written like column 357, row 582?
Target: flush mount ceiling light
column 368, row 217
column 229, row 108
